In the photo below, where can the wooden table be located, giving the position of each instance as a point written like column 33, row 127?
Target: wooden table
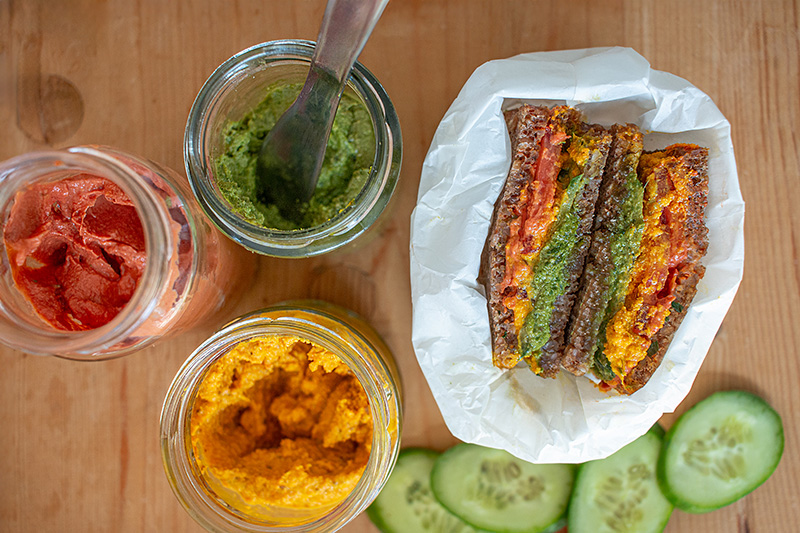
column 79, row 448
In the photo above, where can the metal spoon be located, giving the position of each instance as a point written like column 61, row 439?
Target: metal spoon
column 290, row 159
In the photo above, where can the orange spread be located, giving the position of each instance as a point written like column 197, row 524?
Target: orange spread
column 280, row 421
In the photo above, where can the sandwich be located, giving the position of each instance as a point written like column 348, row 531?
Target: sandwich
column 540, row 233
column 594, row 249
column 643, row 266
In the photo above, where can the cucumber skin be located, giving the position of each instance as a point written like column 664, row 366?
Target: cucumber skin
column 657, row 431
column 690, row 507
column 374, row 516
column 557, row 526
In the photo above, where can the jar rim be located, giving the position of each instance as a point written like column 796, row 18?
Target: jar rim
column 305, row 324
column 305, row 242
column 25, row 170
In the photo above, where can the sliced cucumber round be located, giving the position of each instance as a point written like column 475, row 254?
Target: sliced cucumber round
column 493, row 490
column 620, row 494
column 720, row 450
column 406, row 503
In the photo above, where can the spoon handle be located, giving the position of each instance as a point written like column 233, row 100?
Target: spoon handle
column 345, row 28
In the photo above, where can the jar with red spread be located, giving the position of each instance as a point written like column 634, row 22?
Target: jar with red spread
column 104, row 252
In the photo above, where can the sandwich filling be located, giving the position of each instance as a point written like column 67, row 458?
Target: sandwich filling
column 668, row 186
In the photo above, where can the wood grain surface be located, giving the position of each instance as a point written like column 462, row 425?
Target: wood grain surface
column 79, row 447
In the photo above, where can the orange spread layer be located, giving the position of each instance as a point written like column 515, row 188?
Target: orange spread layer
column 280, row 421
column 651, row 289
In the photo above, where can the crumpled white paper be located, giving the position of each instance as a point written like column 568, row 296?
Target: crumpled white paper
column 566, row 419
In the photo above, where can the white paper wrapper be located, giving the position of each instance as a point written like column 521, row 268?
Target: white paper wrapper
column 566, row 419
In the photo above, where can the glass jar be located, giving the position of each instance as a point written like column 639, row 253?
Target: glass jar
column 191, row 270
column 333, row 328
column 234, row 89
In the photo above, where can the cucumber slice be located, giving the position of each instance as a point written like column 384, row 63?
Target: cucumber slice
column 406, row 504
column 620, row 493
column 720, row 450
column 493, row 490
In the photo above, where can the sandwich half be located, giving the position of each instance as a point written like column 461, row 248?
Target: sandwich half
column 540, row 233
column 644, row 261
column 616, row 237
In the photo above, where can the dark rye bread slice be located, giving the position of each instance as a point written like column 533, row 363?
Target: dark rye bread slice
column 606, row 263
column 691, row 271
column 526, row 126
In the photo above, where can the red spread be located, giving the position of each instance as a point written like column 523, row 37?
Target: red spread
column 76, row 250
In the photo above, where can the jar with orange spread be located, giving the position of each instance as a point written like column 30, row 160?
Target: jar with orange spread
column 287, row 419
column 104, row 252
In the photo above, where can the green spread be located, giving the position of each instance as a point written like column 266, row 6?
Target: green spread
column 625, row 240
column 345, row 170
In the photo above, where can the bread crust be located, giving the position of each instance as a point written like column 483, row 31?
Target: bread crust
column 552, row 353
column 684, row 294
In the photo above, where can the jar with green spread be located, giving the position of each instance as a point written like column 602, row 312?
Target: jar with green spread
column 228, row 122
